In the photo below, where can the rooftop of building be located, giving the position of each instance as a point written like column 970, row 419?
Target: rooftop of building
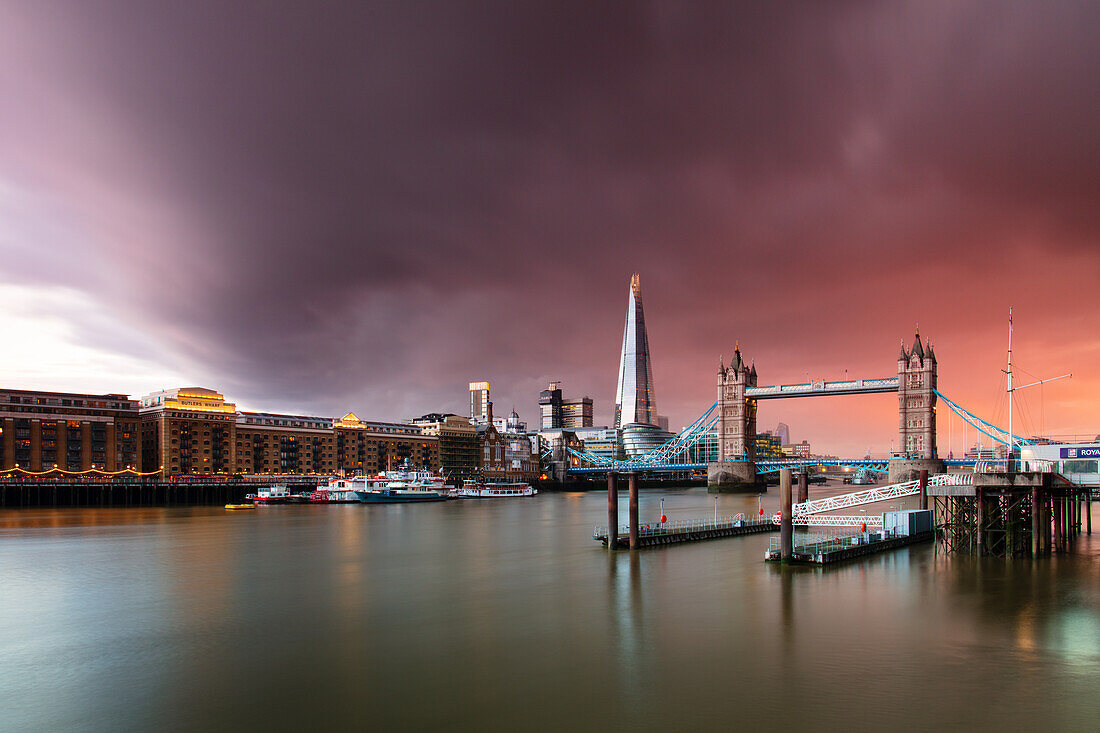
column 6, row 392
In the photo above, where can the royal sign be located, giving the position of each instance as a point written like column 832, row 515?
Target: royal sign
column 1087, row 451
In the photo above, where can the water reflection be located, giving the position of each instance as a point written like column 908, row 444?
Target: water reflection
column 509, row 615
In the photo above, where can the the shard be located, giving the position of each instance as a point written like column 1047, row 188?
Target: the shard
column 634, row 402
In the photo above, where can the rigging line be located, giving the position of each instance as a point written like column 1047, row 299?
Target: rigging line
column 960, row 410
column 982, row 430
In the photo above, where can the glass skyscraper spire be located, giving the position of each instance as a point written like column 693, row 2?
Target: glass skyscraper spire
column 634, row 401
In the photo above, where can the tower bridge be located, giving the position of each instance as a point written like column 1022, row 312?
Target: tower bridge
column 731, row 420
column 739, row 394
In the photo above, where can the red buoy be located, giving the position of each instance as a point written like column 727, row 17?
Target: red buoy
column 663, row 519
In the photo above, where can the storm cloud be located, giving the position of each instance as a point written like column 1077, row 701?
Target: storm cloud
column 331, row 206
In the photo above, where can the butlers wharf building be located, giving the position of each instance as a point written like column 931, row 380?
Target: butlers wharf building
column 189, row 436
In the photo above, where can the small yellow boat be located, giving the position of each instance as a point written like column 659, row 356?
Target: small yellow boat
column 240, row 506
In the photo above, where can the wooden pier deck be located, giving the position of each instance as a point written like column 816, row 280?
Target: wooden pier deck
column 842, row 548
column 691, row 530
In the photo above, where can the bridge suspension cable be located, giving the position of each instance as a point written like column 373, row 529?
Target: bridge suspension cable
column 679, row 443
column 998, row 434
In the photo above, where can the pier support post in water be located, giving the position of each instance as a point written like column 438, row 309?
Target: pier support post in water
column 1057, row 502
column 1036, row 531
column 632, row 490
column 1088, row 511
column 786, row 530
column 923, row 488
column 612, row 511
column 1047, row 519
column 803, row 486
column 980, row 528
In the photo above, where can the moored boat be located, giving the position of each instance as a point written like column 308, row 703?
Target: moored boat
column 338, row 491
column 277, row 494
column 400, row 494
column 240, row 506
column 477, row 490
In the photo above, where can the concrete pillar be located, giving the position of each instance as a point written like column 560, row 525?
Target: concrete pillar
column 612, row 511
column 1036, row 531
column 632, row 484
column 924, row 488
column 786, row 529
column 803, row 486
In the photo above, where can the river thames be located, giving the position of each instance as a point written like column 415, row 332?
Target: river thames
column 505, row 615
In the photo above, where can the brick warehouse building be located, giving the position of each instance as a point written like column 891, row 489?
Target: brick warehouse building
column 194, row 430
column 74, row 432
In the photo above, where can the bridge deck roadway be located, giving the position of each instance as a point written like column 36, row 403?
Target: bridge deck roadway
column 822, row 388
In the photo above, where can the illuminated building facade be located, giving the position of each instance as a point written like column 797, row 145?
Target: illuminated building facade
column 193, row 430
column 73, row 432
column 367, row 447
column 768, row 446
column 479, row 402
column 576, row 413
column 188, row 430
column 283, row 444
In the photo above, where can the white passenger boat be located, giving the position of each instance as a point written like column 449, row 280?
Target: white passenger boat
column 392, row 487
column 278, row 494
column 477, row 490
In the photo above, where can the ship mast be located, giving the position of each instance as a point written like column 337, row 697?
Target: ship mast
column 1011, row 437
column 1012, row 389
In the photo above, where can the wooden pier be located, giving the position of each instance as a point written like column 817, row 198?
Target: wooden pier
column 636, row 535
column 692, row 530
column 25, row 493
column 839, row 549
column 1011, row 514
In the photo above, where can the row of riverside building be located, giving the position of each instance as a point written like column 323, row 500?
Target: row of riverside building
column 195, row 431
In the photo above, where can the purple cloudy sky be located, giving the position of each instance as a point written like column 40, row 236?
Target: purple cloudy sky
column 323, row 206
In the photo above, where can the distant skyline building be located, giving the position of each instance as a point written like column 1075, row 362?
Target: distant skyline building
column 550, row 406
column 634, row 399
column 560, row 413
column 576, row 413
column 479, row 401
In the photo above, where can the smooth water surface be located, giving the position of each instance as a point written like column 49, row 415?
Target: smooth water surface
column 505, row 615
